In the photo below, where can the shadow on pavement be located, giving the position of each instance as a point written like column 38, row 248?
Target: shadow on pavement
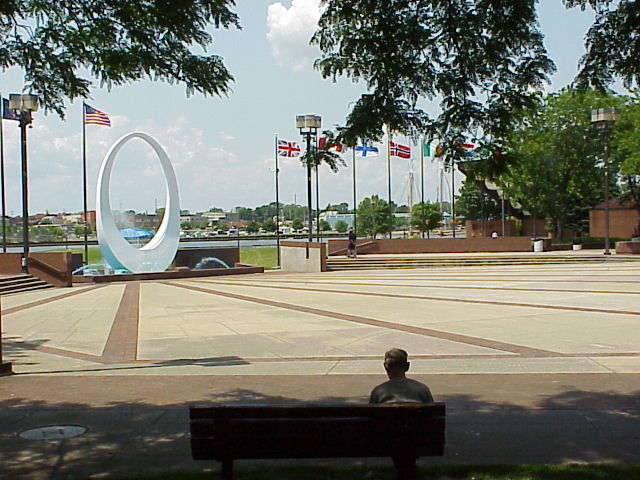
column 140, row 436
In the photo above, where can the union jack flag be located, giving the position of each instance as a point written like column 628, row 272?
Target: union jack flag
column 288, row 149
column 397, row 150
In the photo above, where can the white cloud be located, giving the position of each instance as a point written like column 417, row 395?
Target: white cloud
column 290, row 30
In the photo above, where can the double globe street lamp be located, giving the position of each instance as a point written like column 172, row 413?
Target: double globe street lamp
column 24, row 105
column 309, row 126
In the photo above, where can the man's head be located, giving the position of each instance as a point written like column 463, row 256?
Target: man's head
column 396, row 363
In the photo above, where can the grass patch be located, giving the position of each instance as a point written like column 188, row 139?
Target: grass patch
column 266, row 257
column 489, row 472
column 94, row 253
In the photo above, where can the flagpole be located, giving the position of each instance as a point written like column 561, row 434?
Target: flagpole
column 84, row 185
column 389, row 177
column 277, row 200
column 355, row 205
column 422, row 181
column 453, row 196
column 2, row 190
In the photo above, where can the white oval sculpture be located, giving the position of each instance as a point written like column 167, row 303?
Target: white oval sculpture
column 156, row 255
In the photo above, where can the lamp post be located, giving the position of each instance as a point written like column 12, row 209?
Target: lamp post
column 604, row 118
column 308, row 126
column 24, row 105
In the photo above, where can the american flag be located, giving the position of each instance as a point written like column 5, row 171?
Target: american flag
column 288, row 149
column 93, row 116
column 397, row 150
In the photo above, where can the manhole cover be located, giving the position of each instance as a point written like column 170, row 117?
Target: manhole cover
column 55, row 432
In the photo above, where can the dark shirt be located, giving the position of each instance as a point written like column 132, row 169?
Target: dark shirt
column 401, row 390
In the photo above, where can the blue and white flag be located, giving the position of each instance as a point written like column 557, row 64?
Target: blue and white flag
column 366, row 150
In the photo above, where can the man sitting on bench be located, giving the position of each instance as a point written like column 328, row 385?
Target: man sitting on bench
column 399, row 388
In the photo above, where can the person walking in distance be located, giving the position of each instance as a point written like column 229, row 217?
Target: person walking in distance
column 351, row 249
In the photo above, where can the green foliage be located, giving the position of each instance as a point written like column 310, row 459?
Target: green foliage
column 481, row 59
column 459, row 472
column 116, row 41
column 612, row 44
column 324, row 225
column 425, row 216
column 341, row 226
column 296, row 224
column 314, row 157
column 474, row 204
column 339, row 207
column 373, row 216
column 269, row 225
column 558, row 174
column 252, row 227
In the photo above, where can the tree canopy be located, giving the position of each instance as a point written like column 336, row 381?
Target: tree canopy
column 482, row 59
column 117, row 41
column 612, row 43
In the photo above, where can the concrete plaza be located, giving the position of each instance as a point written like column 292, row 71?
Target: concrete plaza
column 536, row 363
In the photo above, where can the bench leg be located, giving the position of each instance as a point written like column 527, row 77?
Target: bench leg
column 227, row 470
column 405, row 467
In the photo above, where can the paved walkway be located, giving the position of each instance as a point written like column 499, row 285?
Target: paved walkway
column 536, row 363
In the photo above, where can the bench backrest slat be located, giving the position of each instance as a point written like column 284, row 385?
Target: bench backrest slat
column 316, row 431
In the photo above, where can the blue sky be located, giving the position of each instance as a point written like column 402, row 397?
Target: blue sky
column 222, row 149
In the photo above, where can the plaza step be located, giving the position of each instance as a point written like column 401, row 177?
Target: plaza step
column 399, row 262
column 21, row 283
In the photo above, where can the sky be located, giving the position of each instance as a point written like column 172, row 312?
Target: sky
column 222, row 148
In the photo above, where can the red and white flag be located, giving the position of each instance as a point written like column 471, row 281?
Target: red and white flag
column 325, row 144
column 288, row 149
column 397, row 150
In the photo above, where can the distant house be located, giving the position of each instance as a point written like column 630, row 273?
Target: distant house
column 623, row 218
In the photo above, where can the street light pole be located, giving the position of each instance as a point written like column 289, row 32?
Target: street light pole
column 605, row 118
column 311, row 123
column 24, row 105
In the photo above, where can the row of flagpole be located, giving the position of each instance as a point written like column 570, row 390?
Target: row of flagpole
column 90, row 116
column 284, row 148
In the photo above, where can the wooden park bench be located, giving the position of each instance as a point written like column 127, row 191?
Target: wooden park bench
column 401, row 431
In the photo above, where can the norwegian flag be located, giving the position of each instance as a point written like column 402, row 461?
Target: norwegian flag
column 288, row 149
column 397, row 150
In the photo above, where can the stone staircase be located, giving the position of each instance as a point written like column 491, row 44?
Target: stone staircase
column 371, row 262
column 21, row 283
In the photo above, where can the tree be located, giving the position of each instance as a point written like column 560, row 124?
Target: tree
column 324, row 225
column 252, row 227
column 116, row 41
column 215, row 209
column 558, row 174
column 269, row 225
column 425, row 217
column 296, row 224
column 373, row 216
column 612, row 44
column 482, row 59
column 341, row 226
column 474, row 203
column 313, row 157
column 339, row 207
column 626, row 139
